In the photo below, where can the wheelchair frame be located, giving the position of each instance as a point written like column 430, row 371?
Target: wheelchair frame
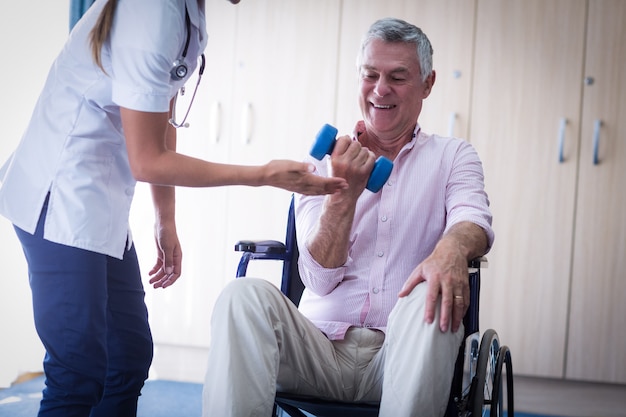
column 477, row 384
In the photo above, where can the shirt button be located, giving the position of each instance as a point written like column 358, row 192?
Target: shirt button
column 375, row 290
column 384, row 218
column 380, row 254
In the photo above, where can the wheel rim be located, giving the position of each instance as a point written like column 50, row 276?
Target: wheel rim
column 481, row 396
column 491, row 401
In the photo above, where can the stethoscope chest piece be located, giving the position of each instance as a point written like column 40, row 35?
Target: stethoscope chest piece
column 179, row 70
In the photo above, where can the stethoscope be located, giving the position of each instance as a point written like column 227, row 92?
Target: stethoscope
column 179, row 71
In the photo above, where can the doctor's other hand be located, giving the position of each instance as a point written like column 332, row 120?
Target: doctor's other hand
column 167, row 268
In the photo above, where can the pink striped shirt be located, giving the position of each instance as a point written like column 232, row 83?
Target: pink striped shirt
column 436, row 182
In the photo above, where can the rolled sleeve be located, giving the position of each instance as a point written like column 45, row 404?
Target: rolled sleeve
column 320, row 280
column 149, row 101
column 466, row 197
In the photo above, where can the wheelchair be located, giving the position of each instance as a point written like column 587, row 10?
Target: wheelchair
column 482, row 369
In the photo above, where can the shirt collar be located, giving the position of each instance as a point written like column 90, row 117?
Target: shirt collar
column 413, row 140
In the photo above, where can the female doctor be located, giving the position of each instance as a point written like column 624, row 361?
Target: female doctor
column 104, row 121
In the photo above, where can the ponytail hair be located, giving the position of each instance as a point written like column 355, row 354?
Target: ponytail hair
column 101, row 30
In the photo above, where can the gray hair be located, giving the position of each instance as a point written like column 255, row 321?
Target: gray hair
column 396, row 30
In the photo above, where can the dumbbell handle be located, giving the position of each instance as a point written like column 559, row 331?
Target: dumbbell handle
column 325, row 143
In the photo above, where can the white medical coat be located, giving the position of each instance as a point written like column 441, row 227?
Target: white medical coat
column 74, row 146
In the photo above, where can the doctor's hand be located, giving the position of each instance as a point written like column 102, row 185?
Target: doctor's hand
column 167, row 267
column 445, row 273
column 299, row 177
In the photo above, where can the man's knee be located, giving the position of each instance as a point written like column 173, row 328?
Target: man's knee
column 245, row 297
column 246, row 289
column 411, row 306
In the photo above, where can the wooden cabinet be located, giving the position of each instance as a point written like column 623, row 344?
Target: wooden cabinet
column 597, row 331
column 556, row 271
column 527, row 80
column 449, row 26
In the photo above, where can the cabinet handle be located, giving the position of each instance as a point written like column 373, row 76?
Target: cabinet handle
column 215, row 120
column 451, row 123
column 597, row 124
column 246, row 123
column 562, row 125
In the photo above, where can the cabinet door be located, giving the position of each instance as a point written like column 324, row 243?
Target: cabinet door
column 448, row 24
column 597, row 334
column 285, row 85
column 525, row 103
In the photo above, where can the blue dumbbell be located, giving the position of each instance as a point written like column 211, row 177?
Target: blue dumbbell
column 324, row 144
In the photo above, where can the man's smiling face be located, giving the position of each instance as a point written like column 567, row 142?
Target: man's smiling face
column 391, row 89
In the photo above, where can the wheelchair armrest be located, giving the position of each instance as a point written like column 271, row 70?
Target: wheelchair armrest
column 258, row 249
column 477, row 263
column 261, row 246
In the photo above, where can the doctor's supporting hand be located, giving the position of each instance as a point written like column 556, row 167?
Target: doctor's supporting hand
column 153, row 159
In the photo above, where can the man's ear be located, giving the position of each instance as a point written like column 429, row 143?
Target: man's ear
column 428, row 84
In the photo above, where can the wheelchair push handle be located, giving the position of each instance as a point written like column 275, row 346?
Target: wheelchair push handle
column 324, row 145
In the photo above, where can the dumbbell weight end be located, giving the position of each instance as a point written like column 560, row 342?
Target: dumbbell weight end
column 324, row 142
column 380, row 174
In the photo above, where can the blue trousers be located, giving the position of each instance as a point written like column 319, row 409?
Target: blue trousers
column 91, row 316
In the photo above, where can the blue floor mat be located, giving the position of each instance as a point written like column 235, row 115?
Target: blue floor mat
column 159, row 399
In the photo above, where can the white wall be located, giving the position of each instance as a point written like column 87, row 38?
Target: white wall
column 32, row 34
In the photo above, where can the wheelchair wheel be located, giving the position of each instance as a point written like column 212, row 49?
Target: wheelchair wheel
column 482, row 402
column 504, row 360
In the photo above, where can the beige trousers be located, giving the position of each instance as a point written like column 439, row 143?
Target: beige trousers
column 260, row 343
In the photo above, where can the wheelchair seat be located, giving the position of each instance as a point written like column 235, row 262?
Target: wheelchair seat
column 477, row 384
